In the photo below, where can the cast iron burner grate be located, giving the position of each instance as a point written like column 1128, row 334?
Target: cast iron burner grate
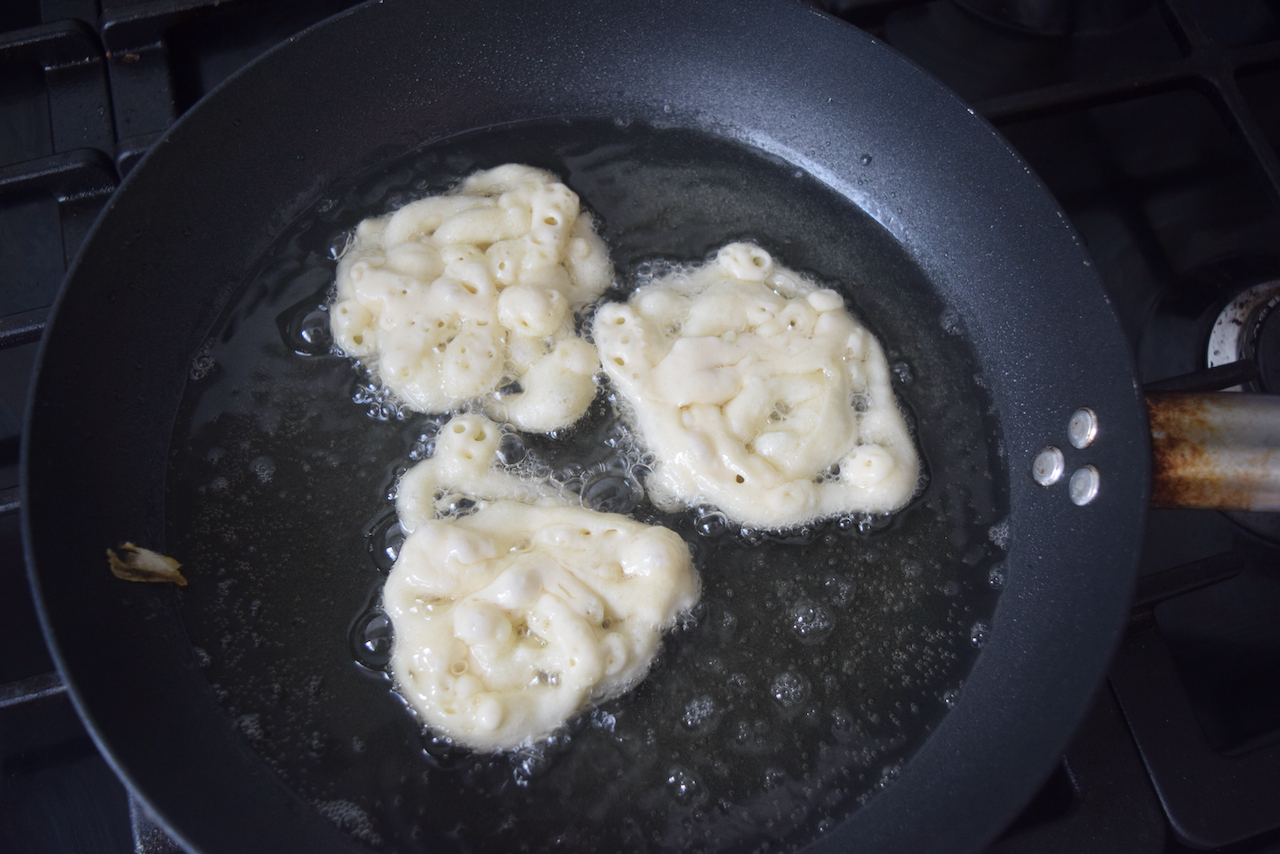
column 1156, row 124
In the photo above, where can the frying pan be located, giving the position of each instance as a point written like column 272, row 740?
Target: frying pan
column 170, row 256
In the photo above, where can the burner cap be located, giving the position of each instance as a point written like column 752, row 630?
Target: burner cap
column 1266, row 347
column 1246, row 331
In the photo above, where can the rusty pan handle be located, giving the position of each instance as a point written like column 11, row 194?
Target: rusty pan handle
column 1218, row 450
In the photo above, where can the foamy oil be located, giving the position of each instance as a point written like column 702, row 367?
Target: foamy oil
column 818, row 660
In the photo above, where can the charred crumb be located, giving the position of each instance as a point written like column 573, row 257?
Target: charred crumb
column 139, row 564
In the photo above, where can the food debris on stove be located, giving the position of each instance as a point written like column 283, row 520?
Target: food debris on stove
column 139, row 564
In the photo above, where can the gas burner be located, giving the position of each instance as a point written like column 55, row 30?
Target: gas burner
column 1198, row 339
column 1246, row 330
column 1209, row 328
column 1059, row 17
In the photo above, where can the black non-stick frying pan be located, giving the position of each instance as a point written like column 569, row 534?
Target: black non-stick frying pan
column 954, row 231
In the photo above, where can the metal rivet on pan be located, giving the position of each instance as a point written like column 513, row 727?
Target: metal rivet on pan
column 1082, row 429
column 1048, row 466
column 1084, row 485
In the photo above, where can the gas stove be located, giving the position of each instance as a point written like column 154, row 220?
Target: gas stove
column 1156, row 125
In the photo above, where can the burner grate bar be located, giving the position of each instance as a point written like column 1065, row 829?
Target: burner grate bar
column 10, row 501
column 24, row 327
column 1216, row 378
column 73, row 175
column 1211, row 799
column 31, row 689
column 1167, row 584
column 53, row 45
column 137, row 27
column 1207, row 69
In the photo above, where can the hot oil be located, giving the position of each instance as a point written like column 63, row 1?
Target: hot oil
column 818, row 660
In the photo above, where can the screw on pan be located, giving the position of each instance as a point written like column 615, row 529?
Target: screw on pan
column 1048, row 466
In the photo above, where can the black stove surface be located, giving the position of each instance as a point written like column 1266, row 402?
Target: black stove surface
column 1155, row 123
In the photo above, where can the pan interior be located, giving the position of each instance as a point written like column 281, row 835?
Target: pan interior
column 817, row 662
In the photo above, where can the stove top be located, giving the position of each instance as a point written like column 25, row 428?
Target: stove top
column 1156, row 125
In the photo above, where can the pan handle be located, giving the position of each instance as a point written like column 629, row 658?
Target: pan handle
column 1217, row 450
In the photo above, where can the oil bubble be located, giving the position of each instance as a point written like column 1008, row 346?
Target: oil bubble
column 385, row 540
column 511, row 449
column 811, row 622
column 350, row 818
column 313, row 330
column 371, row 638
column 443, row 754
column 888, row 774
column 995, row 577
column 789, row 689
column 338, row 244
column 684, row 786
column 202, row 364
column 710, row 522
column 460, row 507
column 380, row 402
column 568, row 478
column 602, row 720
column 304, row 328
column 840, row 590
column 610, row 492
column 699, row 711
column 688, row 621
column 727, row 625
column 529, row 763
column 843, row 725
column 999, row 534
column 902, row 372
column 251, row 726
column 264, row 468
column 508, row 387
column 979, row 633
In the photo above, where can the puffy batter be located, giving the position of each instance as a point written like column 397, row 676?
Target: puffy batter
column 510, row 620
column 453, row 297
column 758, row 393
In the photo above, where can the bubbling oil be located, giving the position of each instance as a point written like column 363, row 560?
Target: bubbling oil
column 818, row 659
